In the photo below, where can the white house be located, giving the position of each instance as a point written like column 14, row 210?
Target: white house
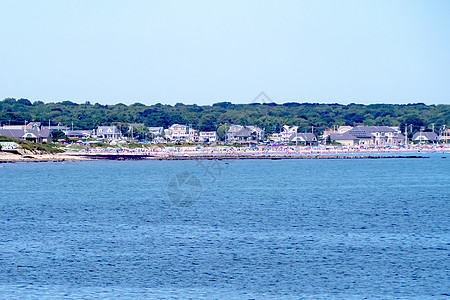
column 156, row 131
column 109, row 132
column 257, row 132
column 208, row 136
column 287, row 132
column 178, row 132
column 377, row 135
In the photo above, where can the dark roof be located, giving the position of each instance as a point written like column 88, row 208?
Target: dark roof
column 14, row 133
column 101, row 130
column 19, row 133
column 309, row 137
column 55, row 128
column 429, row 136
column 366, row 131
column 242, row 133
column 79, row 132
column 342, row 136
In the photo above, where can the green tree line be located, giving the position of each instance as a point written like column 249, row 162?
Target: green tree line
column 270, row 116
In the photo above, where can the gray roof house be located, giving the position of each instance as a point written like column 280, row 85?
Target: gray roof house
column 53, row 128
column 232, row 132
column 239, row 133
column 243, row 135
column 425, row 137
column 257, row 132
column 344, row 138
column 30, row 133
column 305, row 138
column 108, row 132
column 376, row 135
column 80, row 134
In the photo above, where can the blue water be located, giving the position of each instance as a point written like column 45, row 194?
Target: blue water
column 312, row 229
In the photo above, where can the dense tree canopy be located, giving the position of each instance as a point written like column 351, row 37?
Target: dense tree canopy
column 270, row 116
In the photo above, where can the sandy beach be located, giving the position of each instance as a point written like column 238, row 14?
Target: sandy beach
column 224, row 152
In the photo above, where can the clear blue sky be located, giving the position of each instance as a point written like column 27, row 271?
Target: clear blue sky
column 209, row 51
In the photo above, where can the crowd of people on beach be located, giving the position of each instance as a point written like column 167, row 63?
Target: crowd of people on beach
column 200, row 151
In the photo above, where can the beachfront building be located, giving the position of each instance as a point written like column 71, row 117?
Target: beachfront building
column 80, row 134
column 444, row 135
column 303, row 138
column 192, row 135
column 32, row 131
column 232, row 132
column 177, row 132
column 328, row 132
column 207, row 136
column 62, row 128
column 181, row 133
column 109, row 132
column 344, row 139
column 243, row 135
column 338, row 130
column 239, row 134
column 378, row 136
column 425, row 137
column 257, row 133
column 287, row 132
column 344, row 129
column 283, row 137
column 156, row 131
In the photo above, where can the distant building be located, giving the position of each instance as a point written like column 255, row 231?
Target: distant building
column 256, row 132
column 80, row 134
column 177, row 132
column 303, row 138
column 243, row 135
column 444, row 135
column 376, row 135
column 326, row 133
column 239, row 133
column 232, row 132
column 64, row 129
column 192, row 135
column 208, row 136
column 108, row 132
column 33, row 132
column 344, row 139
column 182, row 133
column 344, row 129
column 287, row 132
column 427, row 137
column 156, row 131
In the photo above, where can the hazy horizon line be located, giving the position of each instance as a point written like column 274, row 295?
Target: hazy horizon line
column 93, row 102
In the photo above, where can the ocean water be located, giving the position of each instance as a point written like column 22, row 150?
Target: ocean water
column 238, row 229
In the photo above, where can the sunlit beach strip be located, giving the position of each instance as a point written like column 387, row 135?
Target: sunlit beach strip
column 200, row 152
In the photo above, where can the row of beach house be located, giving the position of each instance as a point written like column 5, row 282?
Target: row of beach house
column 377, row 136
column 380, row 136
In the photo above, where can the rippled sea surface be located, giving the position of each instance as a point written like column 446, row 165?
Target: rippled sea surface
column 312, row 229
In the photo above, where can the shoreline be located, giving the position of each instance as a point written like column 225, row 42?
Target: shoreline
column 65, row 157
column 223, row 153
